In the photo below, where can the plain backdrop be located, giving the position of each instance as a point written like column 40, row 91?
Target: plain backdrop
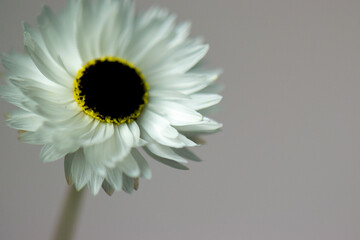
column 285, row 166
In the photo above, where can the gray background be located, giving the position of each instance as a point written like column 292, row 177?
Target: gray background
column 285, row 166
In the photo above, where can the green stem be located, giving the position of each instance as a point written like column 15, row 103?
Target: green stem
column 67, row 220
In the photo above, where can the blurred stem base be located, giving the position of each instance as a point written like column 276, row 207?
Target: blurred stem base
column 66, row 225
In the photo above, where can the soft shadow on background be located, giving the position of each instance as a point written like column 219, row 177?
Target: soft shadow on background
column 285, row 166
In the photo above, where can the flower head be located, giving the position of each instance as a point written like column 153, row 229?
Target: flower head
column 99, row 81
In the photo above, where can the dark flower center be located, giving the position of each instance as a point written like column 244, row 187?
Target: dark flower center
column 111, row 90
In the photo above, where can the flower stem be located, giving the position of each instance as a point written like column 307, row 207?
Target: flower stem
column 67, row 220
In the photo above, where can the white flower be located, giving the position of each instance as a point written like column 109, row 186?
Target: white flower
column 100, row 81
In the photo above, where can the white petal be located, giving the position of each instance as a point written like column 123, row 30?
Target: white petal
column 180, row 60
column 160, row 50
column 165, row 152
column 43, row 91
column 159, row 129
column 73, row 122
column 23, row 69
column 87, row 43
column 142, row 163
column 96, row 32
column 115, row 149
column 98, row 133
column 114, row 177
column 202, row 100
column 184, row 83
column 213, row 88
column 166, row 94
column 81, row 130
column 129, row 166
column 51, row 152
column 21, row 65
column 126, row 137
column 149, row 29
column 116, row 31
column 13, row 95
column 67, row 139
column 80, row 171
column 177, row 114
column 53, row 111
column 135, row 130
column 44, row 62
column 205, row 126
column 95, row 183
column 187, row 142
column 38, row 138
column 23, row 120
column 59, row 36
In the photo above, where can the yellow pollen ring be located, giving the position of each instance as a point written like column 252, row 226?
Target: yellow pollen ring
column 80, row 99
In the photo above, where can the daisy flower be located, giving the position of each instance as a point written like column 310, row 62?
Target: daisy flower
column 99, row 82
